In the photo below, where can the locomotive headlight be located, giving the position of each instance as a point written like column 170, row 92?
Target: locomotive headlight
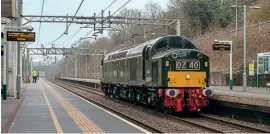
column 172, row 92
column 208, row 92
column 187, row 77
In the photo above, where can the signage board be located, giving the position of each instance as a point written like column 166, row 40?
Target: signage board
column 263, row 63
column 21, row 36
column 221, row 47
column 251, row 69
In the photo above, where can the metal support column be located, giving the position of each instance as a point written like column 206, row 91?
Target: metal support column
column 178, row 30
column 19, row 53
column 75, row 71
column 66, row 67
column 6, row 60
column 245, row 66
column 236, row 19
column 94, row 65
column 144, row 31
column 86, row 67
column 231, row 75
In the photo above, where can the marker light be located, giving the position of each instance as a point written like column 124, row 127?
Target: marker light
column 187, row 77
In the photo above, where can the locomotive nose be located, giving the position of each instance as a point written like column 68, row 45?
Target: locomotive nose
column 208, row 92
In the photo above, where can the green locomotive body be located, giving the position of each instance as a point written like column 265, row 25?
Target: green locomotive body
column 167, row 72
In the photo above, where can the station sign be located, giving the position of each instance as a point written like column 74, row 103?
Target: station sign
column 263, row 63
column 21, row 36
column 221, row 47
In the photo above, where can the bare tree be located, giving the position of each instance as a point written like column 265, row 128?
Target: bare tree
column 153, row 10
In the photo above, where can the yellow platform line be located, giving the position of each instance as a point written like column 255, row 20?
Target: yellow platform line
column 78, row 115
column 55, row 121
column 79, row 118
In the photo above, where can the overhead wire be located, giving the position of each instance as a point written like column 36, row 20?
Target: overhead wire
column 69, row 23
column 111, row 15
column 40, row 22
column 105, row 19
column 97, row 16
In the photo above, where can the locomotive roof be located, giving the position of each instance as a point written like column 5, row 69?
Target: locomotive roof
column 137, row 49
column 169, row 51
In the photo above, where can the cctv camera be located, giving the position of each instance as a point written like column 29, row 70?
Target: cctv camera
column 30, row 28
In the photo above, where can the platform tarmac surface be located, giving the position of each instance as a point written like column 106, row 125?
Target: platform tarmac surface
column 48, row 108
column 252, row 96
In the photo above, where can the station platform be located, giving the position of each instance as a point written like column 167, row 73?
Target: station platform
column 48, row 108
column 88, row 82
column 253, row 96
column 81, row 79
column 9, row 109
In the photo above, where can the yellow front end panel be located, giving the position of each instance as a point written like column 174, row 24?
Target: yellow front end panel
column 186, row 79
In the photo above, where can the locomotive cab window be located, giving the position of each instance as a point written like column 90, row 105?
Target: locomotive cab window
column 162, row 45
column 182, row 43
column 176, row 42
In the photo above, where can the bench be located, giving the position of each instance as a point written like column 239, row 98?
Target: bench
column 267, row 86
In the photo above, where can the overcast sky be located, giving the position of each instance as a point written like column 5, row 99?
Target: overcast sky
column 50, row 31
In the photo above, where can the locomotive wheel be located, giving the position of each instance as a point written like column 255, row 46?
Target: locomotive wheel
column 138, row 99
column 131, row 96
column 105, row 91
column 109, row 92
column 114, row 92
column 157, row 107
column 167, row 110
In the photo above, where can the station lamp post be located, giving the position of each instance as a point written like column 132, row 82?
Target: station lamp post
column 245, row 47
column 220, row 45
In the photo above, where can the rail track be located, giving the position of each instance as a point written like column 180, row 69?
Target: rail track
column 203, row 121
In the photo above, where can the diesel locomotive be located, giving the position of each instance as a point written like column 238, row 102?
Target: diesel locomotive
column 168, row 73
